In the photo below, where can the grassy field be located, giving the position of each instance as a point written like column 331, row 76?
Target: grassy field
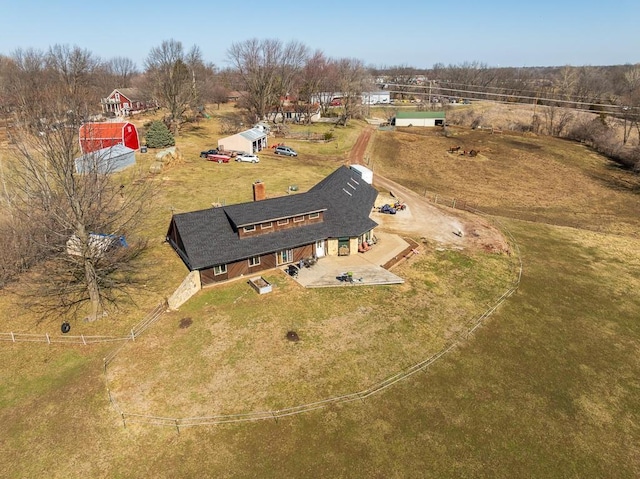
column 548, row 387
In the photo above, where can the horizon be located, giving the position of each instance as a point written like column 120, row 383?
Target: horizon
column 544, row 34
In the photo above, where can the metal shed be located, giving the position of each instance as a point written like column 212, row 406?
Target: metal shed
column 106, row 160
column 249, row 141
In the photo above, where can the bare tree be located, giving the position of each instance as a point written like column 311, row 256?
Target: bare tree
column 71, row 221
column 171, row 77
column 352, row 81
column 123, row 70
column 267, row 69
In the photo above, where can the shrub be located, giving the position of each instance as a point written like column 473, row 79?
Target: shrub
column 159, row 136
column 328, row 136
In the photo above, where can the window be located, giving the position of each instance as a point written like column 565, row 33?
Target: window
column 313, row 216
column 249, row 228
column 265, row 226
column 254, row 261
column 298, row 219
column 283, row 222
column 284, row 256
column 221, row 269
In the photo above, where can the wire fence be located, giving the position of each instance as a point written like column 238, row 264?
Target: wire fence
column 376, row 388
column 136, row 331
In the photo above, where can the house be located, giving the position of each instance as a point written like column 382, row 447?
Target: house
column 125, row 101
column 298, row 113
column 96, row 136
column 419, row 118
column 106, row 160
column 249, row 141
column 332, row 218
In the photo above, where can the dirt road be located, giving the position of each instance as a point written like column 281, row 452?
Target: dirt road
column 423, row 219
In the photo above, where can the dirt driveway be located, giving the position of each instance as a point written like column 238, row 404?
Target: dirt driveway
column 445, row 226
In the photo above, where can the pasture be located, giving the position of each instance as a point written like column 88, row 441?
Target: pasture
column 547, row 387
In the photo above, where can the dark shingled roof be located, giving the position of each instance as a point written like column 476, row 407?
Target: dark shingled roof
column 210, row 236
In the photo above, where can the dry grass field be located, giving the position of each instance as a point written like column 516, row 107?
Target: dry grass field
column 546, row 388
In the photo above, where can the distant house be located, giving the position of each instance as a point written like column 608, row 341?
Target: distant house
column 106, row 160
column 295, row 113
column 125, row 101
column 249, row 141
column 221, row 243
column 96, row 136
column 419, row 118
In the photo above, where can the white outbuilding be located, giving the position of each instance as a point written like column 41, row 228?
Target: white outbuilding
column 419, row 118
column 248, row 141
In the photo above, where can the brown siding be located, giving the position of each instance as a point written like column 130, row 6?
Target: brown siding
column 237, row 269
column 276, row 227
column 207, row 276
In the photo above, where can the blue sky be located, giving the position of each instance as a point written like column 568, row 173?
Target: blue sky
column 415, row 33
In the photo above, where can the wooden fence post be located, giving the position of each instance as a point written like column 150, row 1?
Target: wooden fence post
column 13, row 338
column 48, row 340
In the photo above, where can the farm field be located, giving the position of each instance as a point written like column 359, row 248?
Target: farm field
column 547, row 387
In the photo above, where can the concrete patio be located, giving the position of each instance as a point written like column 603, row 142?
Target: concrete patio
column 366, row 267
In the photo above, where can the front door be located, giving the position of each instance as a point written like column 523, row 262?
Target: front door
column 320, row 248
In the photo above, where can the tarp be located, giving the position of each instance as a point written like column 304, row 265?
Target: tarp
column 106, row 160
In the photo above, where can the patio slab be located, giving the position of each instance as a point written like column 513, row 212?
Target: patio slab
column 366, row 268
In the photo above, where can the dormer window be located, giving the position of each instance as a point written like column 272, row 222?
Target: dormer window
column 248, row 229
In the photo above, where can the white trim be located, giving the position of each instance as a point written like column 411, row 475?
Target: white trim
column 253, row 259
column 222, row 269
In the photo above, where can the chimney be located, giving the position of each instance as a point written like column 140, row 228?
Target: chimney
column 259, row 191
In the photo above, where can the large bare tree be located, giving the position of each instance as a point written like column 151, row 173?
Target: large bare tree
column 71, row 221
column 267, row 69
column 171, row 79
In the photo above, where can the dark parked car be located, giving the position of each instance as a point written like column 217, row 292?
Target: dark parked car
column 204, row 154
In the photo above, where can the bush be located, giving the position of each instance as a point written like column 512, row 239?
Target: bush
column 328, row 136
column 159, row 136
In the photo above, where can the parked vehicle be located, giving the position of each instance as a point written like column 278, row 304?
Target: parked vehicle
column 388, row 209
column 285, row 150
column 204, row 154
column 218, row 158
column 247, row 158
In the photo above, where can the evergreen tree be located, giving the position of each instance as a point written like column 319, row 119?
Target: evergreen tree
column 159, row 136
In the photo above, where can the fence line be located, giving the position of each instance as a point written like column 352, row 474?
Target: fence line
column 376, row 388
column 136, row 331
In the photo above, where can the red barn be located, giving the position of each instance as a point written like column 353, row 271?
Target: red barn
column 96, row 136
